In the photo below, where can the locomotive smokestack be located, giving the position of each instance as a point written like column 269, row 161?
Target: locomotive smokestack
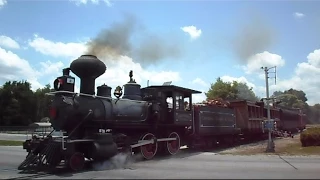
column 87, row 68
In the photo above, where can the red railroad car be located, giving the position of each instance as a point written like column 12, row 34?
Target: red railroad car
column 274, row 114
column 290, row 120
column 249, row 117
column 303, row 121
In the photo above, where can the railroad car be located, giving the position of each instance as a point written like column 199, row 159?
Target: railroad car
column 250, row 118
column 303, row 121
column 292, row 120
column 213, row 123
column 274, row 115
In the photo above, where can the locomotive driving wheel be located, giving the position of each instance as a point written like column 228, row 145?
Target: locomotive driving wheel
column 149, row 151
column 76, row 161
column 173, row 146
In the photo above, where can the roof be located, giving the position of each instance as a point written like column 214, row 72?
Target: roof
column 39, row 124
column 173, row 87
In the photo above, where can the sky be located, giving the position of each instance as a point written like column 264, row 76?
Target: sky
column 190, row 43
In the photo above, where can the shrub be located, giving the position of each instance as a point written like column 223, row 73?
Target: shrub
column 310, row 137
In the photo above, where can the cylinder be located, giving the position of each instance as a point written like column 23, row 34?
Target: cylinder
column 104, row 91
column 132, row 91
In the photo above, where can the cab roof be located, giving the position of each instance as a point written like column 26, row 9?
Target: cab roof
column 173, row 88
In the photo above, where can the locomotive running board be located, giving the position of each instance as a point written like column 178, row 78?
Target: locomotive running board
column 145, row 142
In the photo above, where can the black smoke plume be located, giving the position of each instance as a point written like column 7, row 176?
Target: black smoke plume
column 116, row 41
column 255, row 36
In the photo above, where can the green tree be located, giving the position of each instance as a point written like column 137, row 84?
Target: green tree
column 292, row 99
column 313, row 114
column 224, row 90
column 17, row 103
column 298, row 93
column 20, row 106
column 42, row 102
column 231, row 91
column 246, row 93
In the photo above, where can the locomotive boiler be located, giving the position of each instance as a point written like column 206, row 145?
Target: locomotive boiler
column 69, row 108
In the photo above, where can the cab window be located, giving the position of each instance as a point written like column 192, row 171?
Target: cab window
column 179, row 102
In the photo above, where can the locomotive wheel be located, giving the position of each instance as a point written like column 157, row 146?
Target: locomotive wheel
column 76, row 161
column 173, row 147
column 149, row 151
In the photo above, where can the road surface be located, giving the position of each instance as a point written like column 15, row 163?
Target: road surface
column 185, row 165
column 14, row 137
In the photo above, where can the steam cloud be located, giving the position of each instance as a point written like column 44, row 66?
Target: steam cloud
column 115, row 41
column 256, row 36
column 118, row 161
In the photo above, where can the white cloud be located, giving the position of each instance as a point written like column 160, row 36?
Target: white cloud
column 12, row 67
column 3, row 2
column 199, row 82
column 298, row 15
column 239, row 79
column 314, row 58
column 193, row 32
column 118, row 74
column 196, row 98
column 96, row 2
column 306, row 77
column 57, row 49
column 51, row 68
column 265, row 59
column 7, row 42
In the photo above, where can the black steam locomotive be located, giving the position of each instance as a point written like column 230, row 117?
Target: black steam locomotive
column 142, row 121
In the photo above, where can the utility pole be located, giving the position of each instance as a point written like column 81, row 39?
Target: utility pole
column 270, row 147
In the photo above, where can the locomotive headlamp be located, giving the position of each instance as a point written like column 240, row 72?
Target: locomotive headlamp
column 118, row 92
column 64, row 82
column 57, row 84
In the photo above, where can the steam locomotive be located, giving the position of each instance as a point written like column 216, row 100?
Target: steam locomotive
column 142, row 121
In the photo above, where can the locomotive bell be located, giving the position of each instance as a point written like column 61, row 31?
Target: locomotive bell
column 88, row 68
column 104, row 91
column 118, row 92
column 132, row 89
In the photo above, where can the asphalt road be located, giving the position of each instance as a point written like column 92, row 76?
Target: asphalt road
column 14, row 137
column 11, row 156
column 185, row 165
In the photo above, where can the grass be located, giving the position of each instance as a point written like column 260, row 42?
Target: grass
column 292, row 150
column 297, row 149
column 284, row 146
column 312, row 125
column 10, row 143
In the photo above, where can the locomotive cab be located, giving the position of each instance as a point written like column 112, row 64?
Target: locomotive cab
column 175, row 102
